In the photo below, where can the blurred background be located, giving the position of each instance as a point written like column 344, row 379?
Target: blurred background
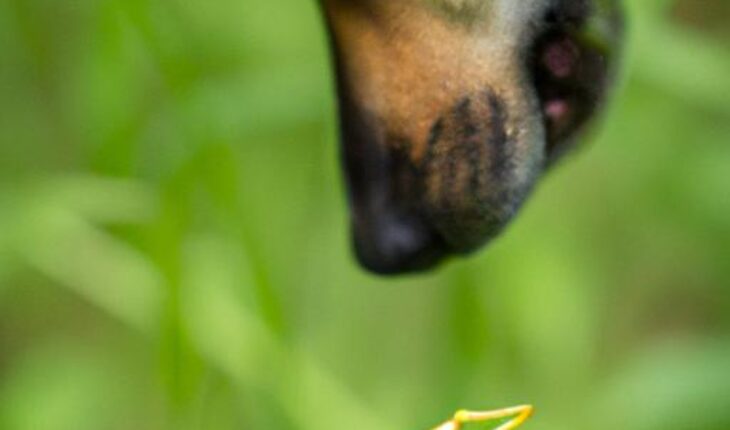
column 174, row 247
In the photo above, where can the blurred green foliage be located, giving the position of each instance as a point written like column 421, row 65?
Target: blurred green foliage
column 174, row 245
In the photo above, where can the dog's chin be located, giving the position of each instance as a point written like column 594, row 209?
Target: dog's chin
column 409, row 214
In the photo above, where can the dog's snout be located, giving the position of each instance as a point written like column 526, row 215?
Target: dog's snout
column 450, row 111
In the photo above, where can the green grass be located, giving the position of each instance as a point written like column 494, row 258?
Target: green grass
column 174, row 243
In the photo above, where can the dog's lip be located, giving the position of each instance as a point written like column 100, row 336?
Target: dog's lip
column 390, row 243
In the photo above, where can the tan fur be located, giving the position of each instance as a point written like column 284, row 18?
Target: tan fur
column 409, row 62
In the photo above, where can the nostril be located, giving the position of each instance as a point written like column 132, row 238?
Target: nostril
column 392, row 244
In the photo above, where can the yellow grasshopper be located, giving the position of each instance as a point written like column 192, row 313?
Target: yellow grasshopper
column 518, row 415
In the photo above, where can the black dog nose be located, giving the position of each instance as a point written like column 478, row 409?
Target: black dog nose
column 395, row 243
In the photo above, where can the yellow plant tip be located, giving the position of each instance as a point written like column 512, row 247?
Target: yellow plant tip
column 462, row 416
column 519, row 415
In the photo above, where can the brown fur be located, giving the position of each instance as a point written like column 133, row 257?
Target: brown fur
column 410, row 62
